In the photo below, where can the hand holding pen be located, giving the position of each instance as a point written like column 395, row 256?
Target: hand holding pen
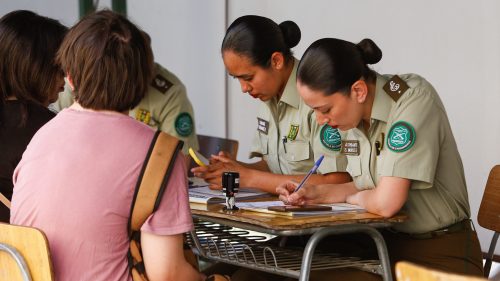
column 298, row 193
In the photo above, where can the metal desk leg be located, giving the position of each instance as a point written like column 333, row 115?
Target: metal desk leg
column 322, row 233
column 196, row 242
column 491, row 253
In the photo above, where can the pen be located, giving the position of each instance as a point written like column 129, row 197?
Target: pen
column 283, row 139
column 312, row 171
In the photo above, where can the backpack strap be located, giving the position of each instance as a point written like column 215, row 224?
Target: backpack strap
column 149, row 190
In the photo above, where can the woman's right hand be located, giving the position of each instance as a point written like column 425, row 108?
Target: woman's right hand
column 307, row 194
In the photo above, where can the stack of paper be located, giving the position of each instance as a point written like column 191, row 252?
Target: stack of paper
column 205, row 195
column 262, row 207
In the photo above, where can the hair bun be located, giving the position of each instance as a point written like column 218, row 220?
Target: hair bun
column 291, row 33
column 370, row 52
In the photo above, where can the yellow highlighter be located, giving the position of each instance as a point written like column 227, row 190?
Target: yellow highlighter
column 198, row 158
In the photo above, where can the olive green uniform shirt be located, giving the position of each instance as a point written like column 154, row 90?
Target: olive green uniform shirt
column 288, row 136
column 165, row 107
column 410, row 137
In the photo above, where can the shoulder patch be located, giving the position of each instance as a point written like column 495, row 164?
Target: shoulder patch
column 184, row 124
column 330, row 138
column 161, row 83
column 401, row 136
column 395, row 87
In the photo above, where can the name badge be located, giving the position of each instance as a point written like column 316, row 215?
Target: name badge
column 350, row 147
column 262, row 125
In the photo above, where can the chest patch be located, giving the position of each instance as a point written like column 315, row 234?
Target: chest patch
column 143, row 116
column 262, row 125
column 161, row 83
column 330, row 138
column 401, row 136
column 292, row 133
column 350, row 147
column 184, row 124
column 395, row 87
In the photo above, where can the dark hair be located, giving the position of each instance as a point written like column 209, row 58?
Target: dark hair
column 109, row 61
column 258, row 38
column 28, row 48
column 332, row 65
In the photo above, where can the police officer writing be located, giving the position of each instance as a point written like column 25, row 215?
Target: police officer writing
column 401, row 155
column 256, row 51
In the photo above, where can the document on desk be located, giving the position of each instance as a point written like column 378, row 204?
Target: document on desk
column 262, row 207
column 205, row 195
column 197, row 182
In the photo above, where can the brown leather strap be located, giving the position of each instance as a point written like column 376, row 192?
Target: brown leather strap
column 156, row 172
column 149, row 190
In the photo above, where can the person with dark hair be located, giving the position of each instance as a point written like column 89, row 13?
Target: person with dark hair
column 256, row 51
column 401, row 153
column 30, row 79
column 77, row 177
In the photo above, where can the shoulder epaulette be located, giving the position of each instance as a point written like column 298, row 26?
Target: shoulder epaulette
column 161, row 83
column 395, row 87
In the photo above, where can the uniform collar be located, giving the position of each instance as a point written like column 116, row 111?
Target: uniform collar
column 290, row 93
column 382, row 103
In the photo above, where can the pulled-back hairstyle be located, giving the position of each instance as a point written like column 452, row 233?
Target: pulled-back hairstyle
column 258, row 38
column 332, row 65
column 28, row 47
column 109, row 61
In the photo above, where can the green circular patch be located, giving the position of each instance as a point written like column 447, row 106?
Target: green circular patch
column 401, row 137
column 330, row 138
column 184, row 124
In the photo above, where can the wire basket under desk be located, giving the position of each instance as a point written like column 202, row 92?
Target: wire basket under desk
column 254, row 250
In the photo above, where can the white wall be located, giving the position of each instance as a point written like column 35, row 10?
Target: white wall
column 454, row 44
column 185, row 36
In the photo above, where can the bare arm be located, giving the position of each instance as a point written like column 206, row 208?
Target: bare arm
column 258, row 176
column 261, row 165
column 385, row 200
column 268, row 181
column 315, row 194
column 164, row 258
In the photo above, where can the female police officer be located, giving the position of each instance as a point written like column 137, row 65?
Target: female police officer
column 401, row 154
column 256, row 51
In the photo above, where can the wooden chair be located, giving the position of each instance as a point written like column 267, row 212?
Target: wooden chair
column 212, row 145
column 489, row 213
column 24, row 254
column 406, row 271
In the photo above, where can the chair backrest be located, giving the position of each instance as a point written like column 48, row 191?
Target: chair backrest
column 24, row 247
column 212, row 145
column 489, row 213
column 406, row 271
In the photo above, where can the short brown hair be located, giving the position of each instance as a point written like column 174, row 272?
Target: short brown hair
column 109, row 61
column 29, row 43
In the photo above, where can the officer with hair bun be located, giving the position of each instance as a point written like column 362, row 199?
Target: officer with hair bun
column 256, row 51
column 401, row 154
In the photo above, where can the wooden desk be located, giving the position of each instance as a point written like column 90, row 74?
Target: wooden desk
column 216, row 239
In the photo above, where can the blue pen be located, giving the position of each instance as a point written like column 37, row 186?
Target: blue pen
column 312, row 171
